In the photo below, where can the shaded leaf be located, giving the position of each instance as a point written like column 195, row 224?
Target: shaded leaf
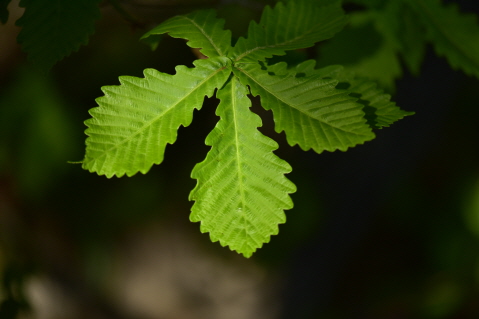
column 454, row 35
column 241, row 192
column 134, row 121
column 365, row 50
column 407, row 32
column 51, row 31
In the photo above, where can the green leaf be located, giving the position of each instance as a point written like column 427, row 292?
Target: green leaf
column 311, row 111
column 4, row 10
column 241, row 192
column 399, row 26
column 134, row 121
column 454, row 35
column 295, row 25
column 379, row 110
column 51, row 31
column 201, row 28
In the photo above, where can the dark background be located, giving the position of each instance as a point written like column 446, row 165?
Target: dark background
column 389, row 229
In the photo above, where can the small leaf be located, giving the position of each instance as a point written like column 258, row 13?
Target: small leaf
column 4, row 10
column 311, row 111
column 241, row 192
column 295, row 25
column 203, row 30
column 134, row 121
column 51, row 31
column 454, row 35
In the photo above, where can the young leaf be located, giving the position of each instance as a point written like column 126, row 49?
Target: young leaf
column 295, row 25
column 203, row 30
column 241, row 192
column 4, row 10
column 311, row 111
column 70, row 23
column 454, row 35
column 134, row 121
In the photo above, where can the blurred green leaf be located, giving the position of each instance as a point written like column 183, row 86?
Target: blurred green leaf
column 472, row 210
column 364, row 49
column 35, row 132
column 454, row 35
column 53, row 30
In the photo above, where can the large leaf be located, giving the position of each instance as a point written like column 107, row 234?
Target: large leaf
column 311, row 111
column 454, row 35
column 379, row 110
column 51, row 31
column 203, row 30
column 295, row 25
column 134, row 121
column 241, row 192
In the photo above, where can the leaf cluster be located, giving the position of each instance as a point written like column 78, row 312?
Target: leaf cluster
column 241, row 190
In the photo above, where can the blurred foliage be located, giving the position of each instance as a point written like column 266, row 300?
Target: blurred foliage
column 364, row 50
column 36, row 133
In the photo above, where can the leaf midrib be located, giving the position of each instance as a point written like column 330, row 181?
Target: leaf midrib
column 237, row 141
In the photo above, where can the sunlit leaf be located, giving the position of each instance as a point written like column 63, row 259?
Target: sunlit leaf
column 295, row 25
column 134, row 121
column 311, row 111
column 203, row 30
column 242, row 191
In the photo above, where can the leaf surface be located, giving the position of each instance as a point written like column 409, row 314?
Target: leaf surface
column 51, row 31
column 454, row 35
column 241, row 193
column 203, row 30
column 294, row 25
column 134, row 121
column 311, row 111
